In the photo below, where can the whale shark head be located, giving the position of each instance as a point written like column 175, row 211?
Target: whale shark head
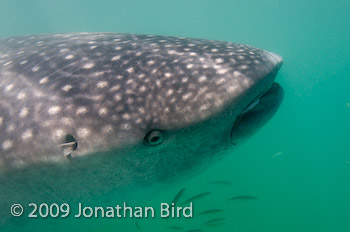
column 95, row 112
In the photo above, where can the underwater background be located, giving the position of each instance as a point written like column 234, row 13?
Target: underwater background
column 298, row 165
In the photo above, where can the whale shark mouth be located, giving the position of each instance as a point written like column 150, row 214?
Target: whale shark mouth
column 256, row 114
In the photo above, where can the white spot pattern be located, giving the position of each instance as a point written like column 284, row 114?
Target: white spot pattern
column 7, row 144
column 88, row 65
column 54, row 110
column 139, row 80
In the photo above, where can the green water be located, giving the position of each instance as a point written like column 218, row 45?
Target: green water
column 306, row 186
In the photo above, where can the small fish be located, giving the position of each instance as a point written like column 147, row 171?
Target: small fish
column 221, row 182
column 244, row 198
column 175, row 228
column 195, row 230
column 196, row 197
column 277, row 154
column 348, row 104
column 178, row 196
column 214, row 221
column 347, row 162
column 138, row 226
column 211, row 211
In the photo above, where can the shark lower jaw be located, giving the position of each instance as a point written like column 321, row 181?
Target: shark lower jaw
column 257, row 114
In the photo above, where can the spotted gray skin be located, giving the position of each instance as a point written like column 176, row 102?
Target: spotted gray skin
column 107, row 92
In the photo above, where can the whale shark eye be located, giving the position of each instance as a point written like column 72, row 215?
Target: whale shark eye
column 154, row 138
column 69, row 145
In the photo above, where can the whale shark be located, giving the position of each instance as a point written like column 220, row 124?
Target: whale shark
column 117, row 116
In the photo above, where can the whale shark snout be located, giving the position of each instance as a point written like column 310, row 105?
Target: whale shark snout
column 276, row 59
column 87, row 115
column 261, row 109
